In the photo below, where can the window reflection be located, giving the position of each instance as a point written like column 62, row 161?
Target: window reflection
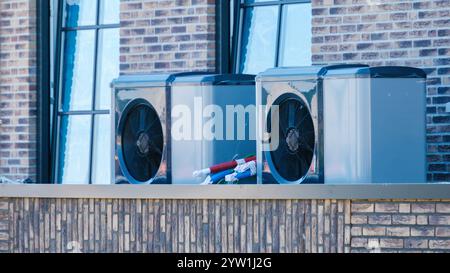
column 295, row 43
column 255, row 1
column 80, row 13
column 101, row 161
column 273, row 34
column 78, row 73
column 109, row 13
column 74, row 147
column 89, row 62
column 259, row 39
column 107, row 66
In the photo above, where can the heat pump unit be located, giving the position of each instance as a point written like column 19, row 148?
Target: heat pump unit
column 222, row 127
column 149, row 107
column 141, row 129
column 341, row 124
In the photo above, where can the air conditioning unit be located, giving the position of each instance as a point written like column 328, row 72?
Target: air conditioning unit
column 341, row 124
column 167, row 126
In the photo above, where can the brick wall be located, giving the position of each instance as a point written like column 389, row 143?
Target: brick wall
column 4, row 226
column 18, row 88
column 111, row 225
column 399, row 32
column 167, row 36
column 400, row 226
column 183, row 226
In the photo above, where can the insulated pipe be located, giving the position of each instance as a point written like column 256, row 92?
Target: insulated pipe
column 223, row 166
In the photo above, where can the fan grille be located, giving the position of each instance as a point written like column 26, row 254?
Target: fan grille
column 293, row 157
column 142, row 141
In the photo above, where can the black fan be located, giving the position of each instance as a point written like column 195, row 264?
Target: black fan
column 294, row 154
column 142, row 140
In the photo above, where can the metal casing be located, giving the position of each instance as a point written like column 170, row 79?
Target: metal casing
column 235, row 134
column 301, row 82
column 375, row 125
column 128, row 89
column 370, row 122
column 168, row 93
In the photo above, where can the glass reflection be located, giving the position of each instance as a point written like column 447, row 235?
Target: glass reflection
column 295, row 43
column 81, row 50
column 255, row 1
column 78, row 70
column 259, row 39
column 80, row 13
column 74, row 150
column 110, row 10
column 101, row 161
column 108, row 66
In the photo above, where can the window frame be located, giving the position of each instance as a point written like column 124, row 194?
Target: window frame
column 43, row 162
column 58, row 88
column 223, row 51
column 239, row 11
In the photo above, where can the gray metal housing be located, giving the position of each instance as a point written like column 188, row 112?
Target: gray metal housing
column 155, row 89
column 374, row 125
column 193, row 92
column 369, row 123
column 205, row 93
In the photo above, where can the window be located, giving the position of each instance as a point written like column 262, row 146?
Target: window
column 88, row 53
column 272, row 34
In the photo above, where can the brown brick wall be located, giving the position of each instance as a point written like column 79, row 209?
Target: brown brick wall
column 400, row 226
column 205, row 226
column 167, row 36
column 18, row 88
column 4, row 226
column 401, row 32
column 105, row 225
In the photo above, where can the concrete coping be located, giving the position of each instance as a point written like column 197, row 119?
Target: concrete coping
column 342, row 191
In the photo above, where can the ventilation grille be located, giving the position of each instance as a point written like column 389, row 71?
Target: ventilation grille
column 293, row 156
column 142, row 140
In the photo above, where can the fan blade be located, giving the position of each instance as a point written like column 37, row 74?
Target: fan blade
column 283, row 146
column 282, row 121
column 304, row 117
column 283, row 132
column 131, row 159
column 150, row 124
column 155, row 150
column 157, row 142
column 301, row 159
column 305, row 146
column 142, row 119
column 293, row 171
column 153, row 128
column 150, row 163
column 142, row 113
column 131, row 125
column 291, row 113
column 290, row 165
column 303, row 134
